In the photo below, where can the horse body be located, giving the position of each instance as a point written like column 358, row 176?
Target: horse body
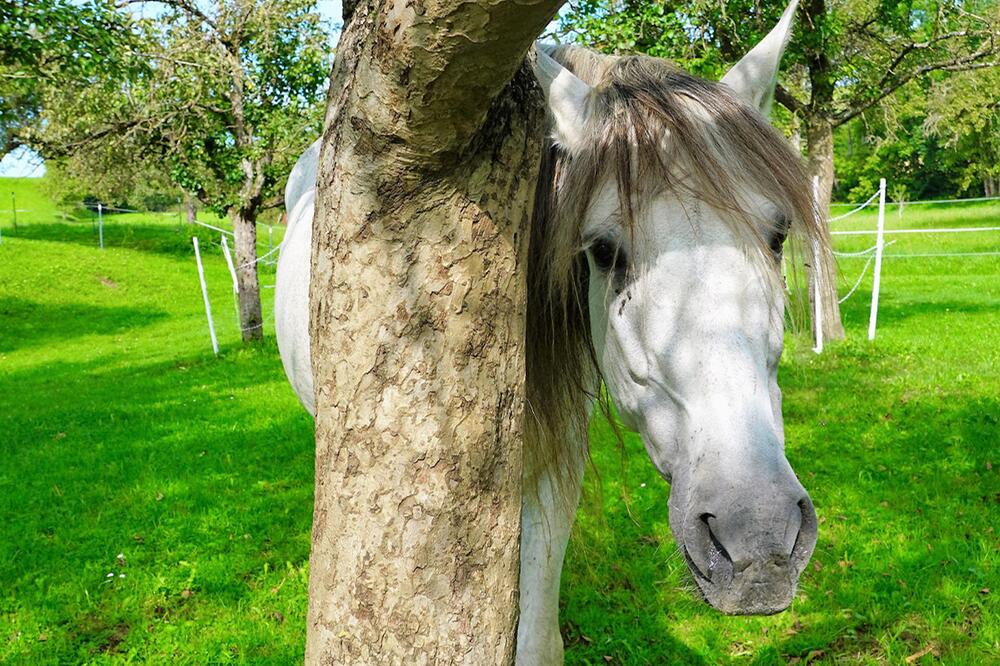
column 291, row 287
column 653, row 269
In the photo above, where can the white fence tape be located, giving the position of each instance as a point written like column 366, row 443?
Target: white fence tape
column 852, row 212
column 956, row 230
column 927, row 201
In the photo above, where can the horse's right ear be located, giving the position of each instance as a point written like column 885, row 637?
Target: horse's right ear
column 754, row 77
column 569, row 99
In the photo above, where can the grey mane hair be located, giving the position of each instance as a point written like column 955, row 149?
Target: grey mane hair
column 653, row 127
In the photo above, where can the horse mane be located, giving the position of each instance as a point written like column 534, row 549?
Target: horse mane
column 653, row 127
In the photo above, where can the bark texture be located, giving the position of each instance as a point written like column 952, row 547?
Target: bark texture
column 245, row 242
column 991, row 186
column 190, row 210
column 819, row 139
column 426, row 181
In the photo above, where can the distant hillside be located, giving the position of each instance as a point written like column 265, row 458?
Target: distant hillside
column 32, row 201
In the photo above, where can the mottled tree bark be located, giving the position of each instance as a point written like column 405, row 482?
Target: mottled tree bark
column 190, row 209
column 819, row 140
column 426, row 180
column 245, row 242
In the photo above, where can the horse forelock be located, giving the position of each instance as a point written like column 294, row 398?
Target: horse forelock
column 653, row 127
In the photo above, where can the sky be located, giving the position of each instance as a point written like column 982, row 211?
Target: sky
column 25, row 163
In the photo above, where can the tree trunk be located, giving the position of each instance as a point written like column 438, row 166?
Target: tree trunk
column 426, row 180
column 245, row 241
column 819, row 139
column 190, row 209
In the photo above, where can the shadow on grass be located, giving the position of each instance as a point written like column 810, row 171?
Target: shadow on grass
column 892, row 311
column 202, row 486
column 25, row 323
column 163, row 239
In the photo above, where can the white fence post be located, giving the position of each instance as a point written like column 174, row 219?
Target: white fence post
column 204, row 295
column 232, row 274
column 100, row 225
column 879, row 245
column 817, row 286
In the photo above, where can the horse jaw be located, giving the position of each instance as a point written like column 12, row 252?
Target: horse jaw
column 688, row 345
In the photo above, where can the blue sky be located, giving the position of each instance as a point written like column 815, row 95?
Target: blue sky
column 24, row 163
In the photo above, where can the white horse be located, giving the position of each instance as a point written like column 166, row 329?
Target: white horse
column 663, row 204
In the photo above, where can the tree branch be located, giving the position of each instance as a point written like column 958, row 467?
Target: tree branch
column 446, row 78
column 193, row 12
column 188, row 8
column 967, row 62
column 788, row 100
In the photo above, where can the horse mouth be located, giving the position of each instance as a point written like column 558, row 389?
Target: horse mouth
column 761, row 588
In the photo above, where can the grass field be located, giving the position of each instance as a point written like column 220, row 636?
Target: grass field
column 155, row 501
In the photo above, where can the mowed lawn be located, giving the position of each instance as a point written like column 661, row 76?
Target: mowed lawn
column 155, row 501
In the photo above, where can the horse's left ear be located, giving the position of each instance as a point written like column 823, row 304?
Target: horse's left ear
column 569, row 99
column 754, row 77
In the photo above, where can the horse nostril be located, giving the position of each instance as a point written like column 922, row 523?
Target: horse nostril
column 717, row 551
column 805, row 540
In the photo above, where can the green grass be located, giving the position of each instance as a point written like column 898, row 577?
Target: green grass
column 120, row 433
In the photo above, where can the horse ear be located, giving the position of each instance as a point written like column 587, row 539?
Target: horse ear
column 754, row 77
column 569, row 99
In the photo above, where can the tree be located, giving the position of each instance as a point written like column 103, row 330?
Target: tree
column 426, row 186
column 965, row 114
column 845, row 57
column 45, row 44
column 222, row 97
column 891, row 140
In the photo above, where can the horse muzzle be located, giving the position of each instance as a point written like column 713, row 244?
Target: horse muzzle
column 748, row 562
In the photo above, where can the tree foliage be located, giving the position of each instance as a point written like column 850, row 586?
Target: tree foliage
column 218, row 98
column 847, row 57
column 44, row 45
column 964, row 115
column 221, row 102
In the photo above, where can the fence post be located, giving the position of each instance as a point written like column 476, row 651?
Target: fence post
column 817, row 286
column 270, row 244
column 100, row 225
column 13, row 209
column 204, row 295
column 879, row 245
column 232, row 274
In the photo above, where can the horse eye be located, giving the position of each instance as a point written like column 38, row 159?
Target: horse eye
column 606, row 255
column 779, row 236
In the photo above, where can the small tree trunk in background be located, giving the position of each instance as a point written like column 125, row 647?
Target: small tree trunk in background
column 245, row 241
column 819, row 139
column 796, row 134
column 190, row 209
column 426, row 181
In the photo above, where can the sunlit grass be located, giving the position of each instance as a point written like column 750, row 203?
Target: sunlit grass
column 121, row 433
